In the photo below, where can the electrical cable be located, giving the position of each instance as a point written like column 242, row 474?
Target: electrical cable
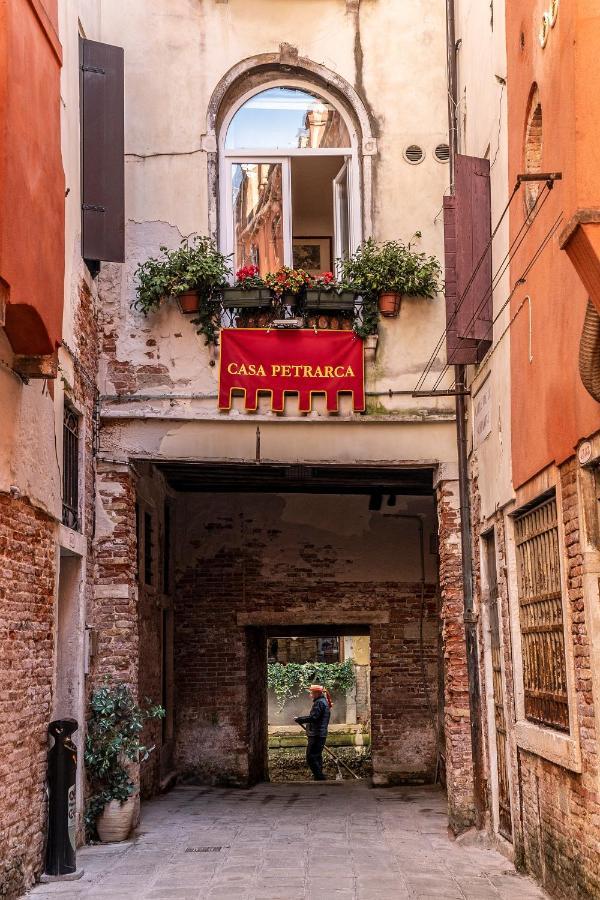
column 468, row 285
column 503, row 266
column 521, row 280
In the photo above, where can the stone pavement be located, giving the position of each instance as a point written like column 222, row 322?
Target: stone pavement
column 287, row 842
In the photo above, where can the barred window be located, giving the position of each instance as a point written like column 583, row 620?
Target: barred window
column 541, row 616
column 70, row 494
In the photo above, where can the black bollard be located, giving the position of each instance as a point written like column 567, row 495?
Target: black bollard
column 62, row 768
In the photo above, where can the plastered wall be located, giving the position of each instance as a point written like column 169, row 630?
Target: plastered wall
column 174, row 65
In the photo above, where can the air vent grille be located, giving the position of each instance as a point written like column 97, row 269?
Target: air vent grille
column 442, row 153
column 414, row 154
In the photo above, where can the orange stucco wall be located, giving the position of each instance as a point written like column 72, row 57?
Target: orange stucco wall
column 551, row 411
column 31, row 174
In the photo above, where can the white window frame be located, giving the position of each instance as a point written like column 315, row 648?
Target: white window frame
column 278, row 155
column 286, row 189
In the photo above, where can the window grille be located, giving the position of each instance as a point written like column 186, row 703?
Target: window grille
column 541, row 616
column 70, row 501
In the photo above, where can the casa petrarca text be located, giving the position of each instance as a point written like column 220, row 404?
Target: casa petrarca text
column 285, row 370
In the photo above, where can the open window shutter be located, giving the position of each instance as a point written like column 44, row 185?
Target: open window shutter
column 102, row 152
column 467, row 232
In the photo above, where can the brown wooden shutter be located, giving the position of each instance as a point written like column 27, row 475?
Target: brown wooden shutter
column 467, row 232
column 102, row 152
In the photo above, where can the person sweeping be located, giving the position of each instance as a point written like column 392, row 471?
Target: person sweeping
column 316, row 722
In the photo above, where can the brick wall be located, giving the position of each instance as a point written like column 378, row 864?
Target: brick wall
column 114, row 613
column 242, row 554
column 561, row 809
column 457, row 718
column 27, row 586
column 555, row 811
column 153, row 601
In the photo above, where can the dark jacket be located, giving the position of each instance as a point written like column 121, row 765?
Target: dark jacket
column 318, row 719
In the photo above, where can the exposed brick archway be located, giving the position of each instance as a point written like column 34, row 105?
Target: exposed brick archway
column 244, row 563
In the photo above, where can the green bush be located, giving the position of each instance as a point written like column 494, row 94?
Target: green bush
column 113, row 738
column 392, row 266
column 289, row 680
column 196, row 265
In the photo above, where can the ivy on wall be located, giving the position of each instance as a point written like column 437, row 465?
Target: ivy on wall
column 289, row 680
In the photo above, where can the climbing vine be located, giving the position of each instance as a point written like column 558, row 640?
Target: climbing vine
column 289, row 680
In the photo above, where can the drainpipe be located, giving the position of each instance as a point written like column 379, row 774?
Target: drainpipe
column 470, row 616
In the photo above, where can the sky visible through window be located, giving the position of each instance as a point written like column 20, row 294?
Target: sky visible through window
column 276, row 118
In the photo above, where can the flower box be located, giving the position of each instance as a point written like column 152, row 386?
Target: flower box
column 330, row 300
column 254, row 298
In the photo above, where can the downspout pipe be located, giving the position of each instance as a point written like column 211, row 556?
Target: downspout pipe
column 460, row 371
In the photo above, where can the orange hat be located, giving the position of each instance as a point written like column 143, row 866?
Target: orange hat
column 316, row 687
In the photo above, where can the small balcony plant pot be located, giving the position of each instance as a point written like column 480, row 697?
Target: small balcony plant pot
column 255, row 298
column 389, row 304
column 116, row 821
column 329, row 300
column 189, row 302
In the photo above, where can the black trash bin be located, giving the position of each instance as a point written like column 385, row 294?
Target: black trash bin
column 62, row 769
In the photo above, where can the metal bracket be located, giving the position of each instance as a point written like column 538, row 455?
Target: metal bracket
column 96, row 69
column 93, row 207
column 548, row 177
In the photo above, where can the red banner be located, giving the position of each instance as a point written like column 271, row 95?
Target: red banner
column 303, row 362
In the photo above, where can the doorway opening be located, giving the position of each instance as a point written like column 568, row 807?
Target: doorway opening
column 339, row 661
column 343, row 559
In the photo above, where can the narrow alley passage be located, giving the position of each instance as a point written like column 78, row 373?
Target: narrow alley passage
column 287, row 842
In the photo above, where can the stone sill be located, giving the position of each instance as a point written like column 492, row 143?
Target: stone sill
column 146, row 414
column 73, row 541
column 557, row 748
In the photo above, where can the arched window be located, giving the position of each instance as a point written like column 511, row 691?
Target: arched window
column 289, row 180
column 533, row 148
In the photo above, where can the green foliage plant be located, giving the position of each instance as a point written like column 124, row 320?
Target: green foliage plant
column 393, row 267
column 196, row 265
column 289, row 680
column 113, row 734
column 388, row 267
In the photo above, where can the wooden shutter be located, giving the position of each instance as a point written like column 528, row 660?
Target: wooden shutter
column 467, row 232
column 102, row 152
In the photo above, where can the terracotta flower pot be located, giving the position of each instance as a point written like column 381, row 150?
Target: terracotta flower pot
column 189, row 302
column 389, row 303
column 116, row 820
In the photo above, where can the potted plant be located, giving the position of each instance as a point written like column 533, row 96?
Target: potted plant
column 249, row 291
column 112, row 744
column 324, row 292
column 288, row 285
column 194, row 273
column 388, row 270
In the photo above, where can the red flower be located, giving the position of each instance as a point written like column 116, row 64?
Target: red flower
column 246, row 272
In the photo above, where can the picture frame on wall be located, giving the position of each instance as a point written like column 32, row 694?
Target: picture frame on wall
column 313, row 254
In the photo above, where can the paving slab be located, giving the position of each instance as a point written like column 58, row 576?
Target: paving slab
column 294, row 842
